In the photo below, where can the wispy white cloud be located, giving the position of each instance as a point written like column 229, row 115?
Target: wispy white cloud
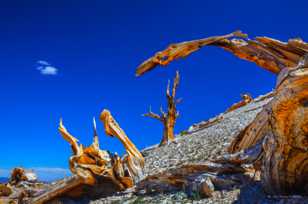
column 46, row 68
column 43, row 173
column 42, row 62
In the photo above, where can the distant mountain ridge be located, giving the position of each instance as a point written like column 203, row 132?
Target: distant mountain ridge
column 4, row 179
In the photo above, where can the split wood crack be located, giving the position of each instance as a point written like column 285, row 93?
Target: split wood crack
column 275, row 144
column 281, row 128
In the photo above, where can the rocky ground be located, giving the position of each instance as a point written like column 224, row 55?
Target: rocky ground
column 200, row 143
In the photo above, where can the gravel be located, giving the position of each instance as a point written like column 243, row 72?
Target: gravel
column 198, row 145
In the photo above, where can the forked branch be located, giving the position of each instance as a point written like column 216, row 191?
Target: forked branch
column 153, row 115
column 168, row 119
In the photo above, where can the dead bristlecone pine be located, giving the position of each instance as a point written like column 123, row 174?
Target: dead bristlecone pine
column 168, row 119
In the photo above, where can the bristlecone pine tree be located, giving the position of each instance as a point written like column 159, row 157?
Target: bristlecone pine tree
column 168, row 119
column 276, row 142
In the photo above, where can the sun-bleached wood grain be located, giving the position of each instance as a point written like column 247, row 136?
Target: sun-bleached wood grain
column 270, row 54
column 282, row 126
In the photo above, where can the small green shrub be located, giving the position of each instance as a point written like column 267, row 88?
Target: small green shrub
column 184, row 132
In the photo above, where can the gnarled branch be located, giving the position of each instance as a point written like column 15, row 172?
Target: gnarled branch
column 96, row 168
column 180, row 50
column 135, row 160
column 270, row 54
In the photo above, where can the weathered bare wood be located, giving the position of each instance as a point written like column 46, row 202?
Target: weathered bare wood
column 59, row 190
column 202, row 178
column 134, row 159
column 87, row 157
column 247, row 156
column 95, row 171
column 276, row 142
column 252, row 134
column 180, row 50
column 168, row 119
column 5, row 190
column 18, row 175
column 150, row 114
column 246, row 98
column 268, row 53
column 285, row 166
column 208, row 123
column 282, row 125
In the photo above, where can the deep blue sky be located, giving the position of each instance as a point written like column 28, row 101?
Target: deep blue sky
column 96, row 46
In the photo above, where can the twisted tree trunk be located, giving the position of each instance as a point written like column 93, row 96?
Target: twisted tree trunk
column 285, row 163
column 282, row 126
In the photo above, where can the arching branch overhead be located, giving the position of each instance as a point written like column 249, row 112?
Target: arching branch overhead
column 270, row 54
